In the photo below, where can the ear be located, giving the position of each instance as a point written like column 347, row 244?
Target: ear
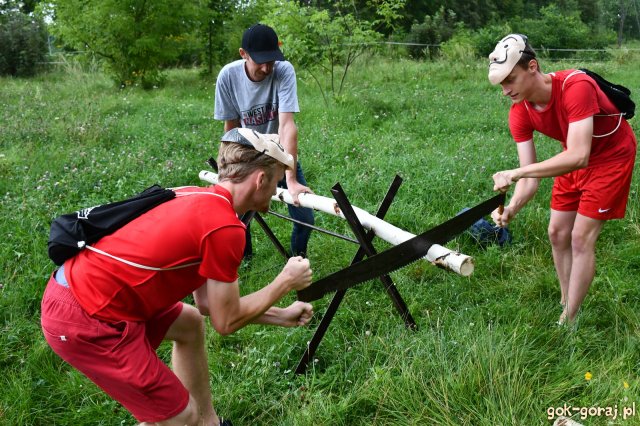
column 533, row 65
column 260, row 179
column 243, row 53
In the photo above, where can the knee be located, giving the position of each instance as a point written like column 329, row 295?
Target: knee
column 558, row 236
column 194, row 325
column 580, row 243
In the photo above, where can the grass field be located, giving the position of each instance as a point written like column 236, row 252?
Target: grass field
column 486, row 351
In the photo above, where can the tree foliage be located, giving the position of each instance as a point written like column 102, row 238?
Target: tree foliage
column 24, row 6
column 324, row 42
column 435, row 29
column 23, row 43
column 228, row 20
column 554, row 26
column 562, row 29
column 133, row 38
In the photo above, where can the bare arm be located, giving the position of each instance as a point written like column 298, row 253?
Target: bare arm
column 288, row 132
column 231, row 124
column 200, row 299
column 230, row 312
column 298, row 313
column 525, row 188
column 575, row 157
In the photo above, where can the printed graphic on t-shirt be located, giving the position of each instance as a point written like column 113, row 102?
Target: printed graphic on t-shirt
column 260, row 114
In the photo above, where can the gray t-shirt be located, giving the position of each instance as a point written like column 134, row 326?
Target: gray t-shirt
column 256, row 104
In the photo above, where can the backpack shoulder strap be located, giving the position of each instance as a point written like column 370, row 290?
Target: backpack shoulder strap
column 571, row 75
column 153, row 268
column 601, row 115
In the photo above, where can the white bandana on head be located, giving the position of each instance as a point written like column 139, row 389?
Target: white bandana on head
column 268, row 144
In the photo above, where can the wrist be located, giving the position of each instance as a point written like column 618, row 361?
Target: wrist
column 514, row 206
column 284, row 283
column 272, row 316
column 517, row 175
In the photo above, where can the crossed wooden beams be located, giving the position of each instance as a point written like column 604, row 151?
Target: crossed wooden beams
column 364, row 239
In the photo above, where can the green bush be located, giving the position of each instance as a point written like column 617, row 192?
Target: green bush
column 556, row 28
column 433, row 31
column 560, row 29
column 624, row 56
column 460, row 48
column 485, row 39
column 23, row 44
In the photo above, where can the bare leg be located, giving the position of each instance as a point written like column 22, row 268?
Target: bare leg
column 188, row 417
column 189, row 362
column 583, row 244
column 560, row 227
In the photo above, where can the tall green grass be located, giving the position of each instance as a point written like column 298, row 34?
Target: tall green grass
column 486, row 351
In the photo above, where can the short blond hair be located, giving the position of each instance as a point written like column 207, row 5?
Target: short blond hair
column 236, row 162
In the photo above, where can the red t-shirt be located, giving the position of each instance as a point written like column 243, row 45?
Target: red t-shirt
column 190, row 228
column 580, row 98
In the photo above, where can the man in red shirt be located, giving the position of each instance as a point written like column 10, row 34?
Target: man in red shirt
column 592, row 173
column 106, row 310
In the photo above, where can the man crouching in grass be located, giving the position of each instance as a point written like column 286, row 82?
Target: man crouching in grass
column 106, row 317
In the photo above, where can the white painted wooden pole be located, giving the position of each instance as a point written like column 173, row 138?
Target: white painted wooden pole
column 437, row 255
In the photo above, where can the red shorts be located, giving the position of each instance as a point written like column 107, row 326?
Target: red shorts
column 119, row 357
column 599, row 192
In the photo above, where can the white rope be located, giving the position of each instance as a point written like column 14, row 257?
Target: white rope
column 614, row 130
column 138, row 265
column 182, row 194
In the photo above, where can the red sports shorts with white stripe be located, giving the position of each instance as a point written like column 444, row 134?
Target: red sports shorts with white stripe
column 599, row 192
column 119, row 357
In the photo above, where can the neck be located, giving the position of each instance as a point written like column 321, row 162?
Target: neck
column 541, row 92
column 239, row 196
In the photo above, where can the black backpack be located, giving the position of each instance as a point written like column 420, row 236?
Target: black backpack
column 72, row 232
column 618, row 94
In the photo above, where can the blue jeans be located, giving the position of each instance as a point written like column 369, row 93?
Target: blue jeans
column 300, row 234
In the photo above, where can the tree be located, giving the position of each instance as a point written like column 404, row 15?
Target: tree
column 384, row 15
column 626, row 9
column 23, row 43
column 24, row 6
column 324, row 42
column 477, row 14
column 433, row 31
column 227, row 21
column 133, row 38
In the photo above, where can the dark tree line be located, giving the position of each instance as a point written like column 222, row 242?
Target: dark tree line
column 137, row 38
column 476, row 14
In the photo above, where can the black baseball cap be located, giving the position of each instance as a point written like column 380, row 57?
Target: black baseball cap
column 261, row 43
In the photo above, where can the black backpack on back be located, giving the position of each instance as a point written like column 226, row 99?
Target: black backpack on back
column 618, row 94
column 72, row 232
